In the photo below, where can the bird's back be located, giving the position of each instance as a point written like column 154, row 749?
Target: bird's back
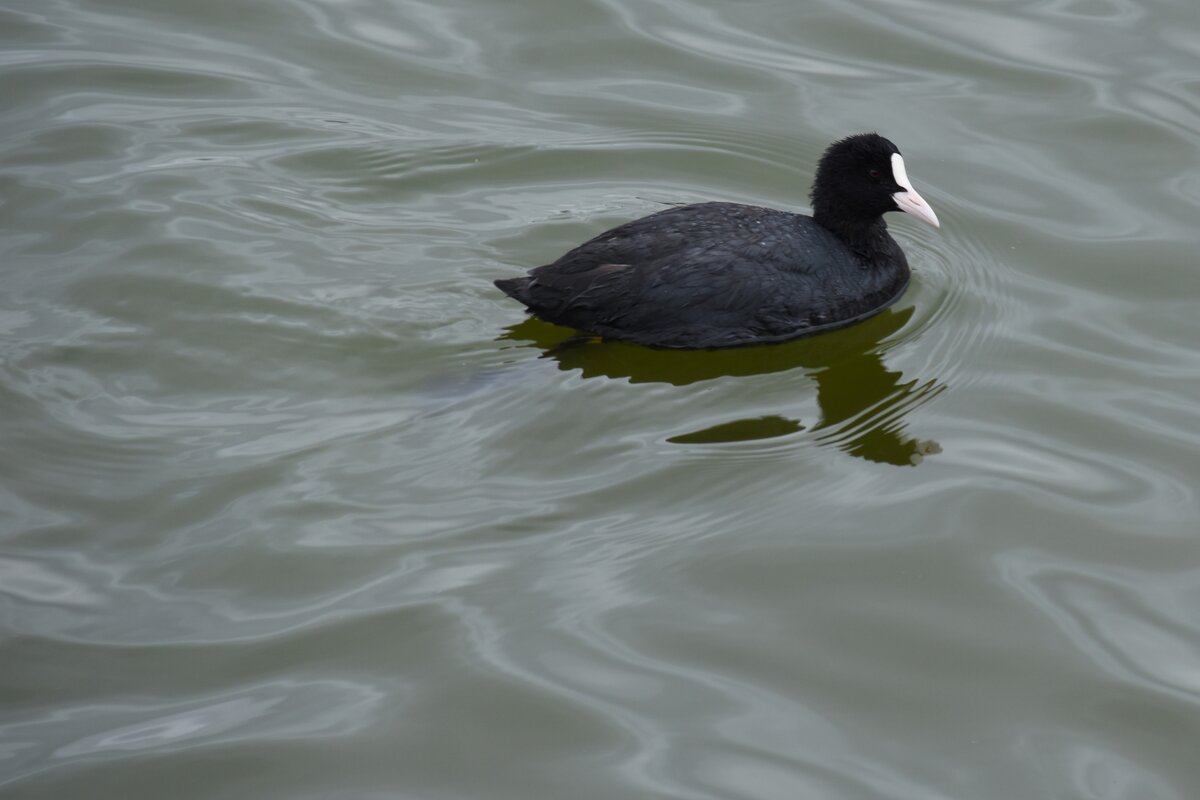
column 712, row 275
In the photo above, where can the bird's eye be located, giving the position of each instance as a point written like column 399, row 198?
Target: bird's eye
column 875, row 174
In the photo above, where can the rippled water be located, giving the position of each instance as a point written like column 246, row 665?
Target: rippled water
column 296, row 505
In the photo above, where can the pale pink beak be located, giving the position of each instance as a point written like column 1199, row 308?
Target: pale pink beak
column 908, row 200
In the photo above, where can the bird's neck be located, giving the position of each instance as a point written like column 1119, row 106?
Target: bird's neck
column 868, row 239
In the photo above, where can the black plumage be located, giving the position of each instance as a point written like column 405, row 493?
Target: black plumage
column 727, row 274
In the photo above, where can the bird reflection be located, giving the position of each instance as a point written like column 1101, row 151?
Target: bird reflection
column 863, row 404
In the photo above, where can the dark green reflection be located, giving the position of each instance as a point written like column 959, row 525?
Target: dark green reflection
column 863, row 404
column 741, row 430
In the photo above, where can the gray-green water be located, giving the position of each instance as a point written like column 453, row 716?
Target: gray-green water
column 296, row 505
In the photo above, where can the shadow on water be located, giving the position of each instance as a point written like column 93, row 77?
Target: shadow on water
column 863, row 404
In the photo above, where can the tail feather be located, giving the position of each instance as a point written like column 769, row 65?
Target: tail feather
column 517, row 288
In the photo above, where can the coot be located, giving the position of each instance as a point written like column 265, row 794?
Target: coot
column 725, row 274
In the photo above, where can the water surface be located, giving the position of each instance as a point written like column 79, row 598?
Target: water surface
column 295, row 504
